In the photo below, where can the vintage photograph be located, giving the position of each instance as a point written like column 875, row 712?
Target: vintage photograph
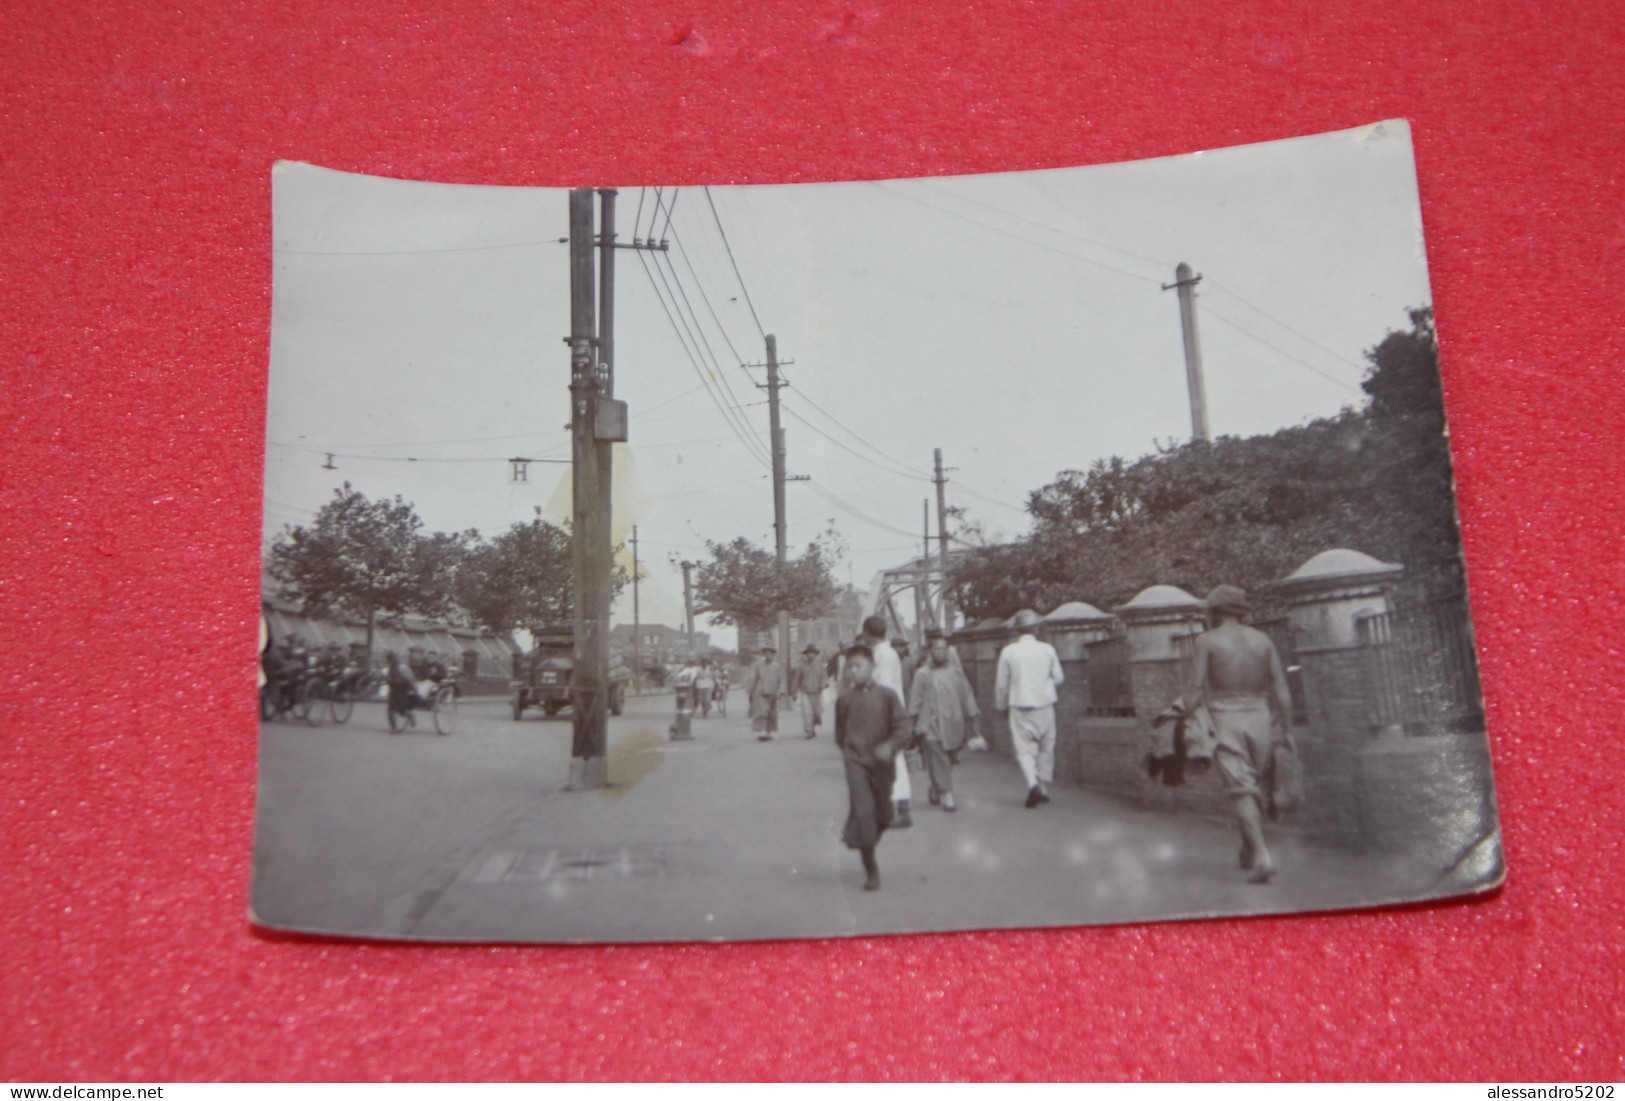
column 662, row 563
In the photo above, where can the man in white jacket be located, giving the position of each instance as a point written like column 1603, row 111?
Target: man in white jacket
column 1029, row 670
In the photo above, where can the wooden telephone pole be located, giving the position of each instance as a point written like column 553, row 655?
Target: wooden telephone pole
column 1186, row 282
column 597, row 422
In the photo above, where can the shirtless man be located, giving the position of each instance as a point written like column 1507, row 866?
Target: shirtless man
column 1238, row 674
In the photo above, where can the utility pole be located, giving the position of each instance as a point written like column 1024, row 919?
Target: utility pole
column 779, row 529
column 924, row 612
column 942, row 541
column 597, row 422
column 688, row 602
column 590, row 528
column 1186, row 282
column 637, row 620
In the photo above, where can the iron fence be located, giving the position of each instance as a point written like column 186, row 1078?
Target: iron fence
column 1111, row 694
column 1422, row 668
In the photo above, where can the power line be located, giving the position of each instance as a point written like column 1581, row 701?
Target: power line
column 1271, row 317
column 721, row 373
column 736, row 417
column 699, row 285
column 1312, row 370
column 853, row 451
column 1041, row 225
column 856, row 512
column 914, row 471
column 419, row 251
column 1014, row 236
column 735, row 264
column 671, row 209
column 424, row 443
column 751, row 445
column 415, row 458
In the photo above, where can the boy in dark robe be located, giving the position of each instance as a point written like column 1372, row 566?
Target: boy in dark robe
column 871, row 726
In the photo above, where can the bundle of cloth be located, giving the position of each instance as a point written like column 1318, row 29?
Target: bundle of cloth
column 1180, row 741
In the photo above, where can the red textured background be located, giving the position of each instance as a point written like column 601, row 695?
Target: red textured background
column 135, row 150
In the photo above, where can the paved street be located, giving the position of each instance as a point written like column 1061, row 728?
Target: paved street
column 473, row 837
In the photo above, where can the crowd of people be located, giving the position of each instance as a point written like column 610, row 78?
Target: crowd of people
column 887, row 708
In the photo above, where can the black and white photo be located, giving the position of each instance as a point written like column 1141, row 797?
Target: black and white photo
column 655, row 563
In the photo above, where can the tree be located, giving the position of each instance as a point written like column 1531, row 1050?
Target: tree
column 744, row 586
column 1246, row 510
column 365, row 559
column 521, row 578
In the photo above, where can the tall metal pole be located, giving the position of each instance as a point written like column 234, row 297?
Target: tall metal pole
column 590, row 527
column 779, row 529
column 637, row 620
column 942, row 542
column 1186, row 282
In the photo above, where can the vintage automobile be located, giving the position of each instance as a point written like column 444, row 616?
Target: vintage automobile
column 545, row 677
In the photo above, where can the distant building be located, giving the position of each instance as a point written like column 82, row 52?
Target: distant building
column 657, row 643
column 829, row 633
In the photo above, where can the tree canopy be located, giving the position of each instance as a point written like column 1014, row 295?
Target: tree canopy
column 520, row 578
column 365, row 559
column 743, row 585
column 1245, row 511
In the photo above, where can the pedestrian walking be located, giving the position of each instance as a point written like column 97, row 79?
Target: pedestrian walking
column 888, row 673
column 1028, row 673
column 807, row 690
column 1237, row 673
column 871, row 725
column 705, row 682
column 943, row 713
column 764, row 688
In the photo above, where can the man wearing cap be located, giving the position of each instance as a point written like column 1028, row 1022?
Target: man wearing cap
column 807, row 689
column 1237, row 673
column 764, row 688
column 1028, row 672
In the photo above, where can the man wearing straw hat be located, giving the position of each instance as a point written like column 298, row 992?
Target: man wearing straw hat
column 1237, row 673
column 807, row 689
column 765, row 687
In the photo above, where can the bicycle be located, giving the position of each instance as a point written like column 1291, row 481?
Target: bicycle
column 441, row 705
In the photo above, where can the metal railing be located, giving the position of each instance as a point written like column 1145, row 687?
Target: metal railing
column 1422, row 668
column 1111, row 694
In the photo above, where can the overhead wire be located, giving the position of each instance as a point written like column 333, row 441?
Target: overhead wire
column 1295, row 332
column 721, row 373
column 1335, row 381
column 1014, row 236
column 699, row 284
column 702, row 347
column 734, row 263
column 1042, row 225
column 914, row 471
column 751, row 445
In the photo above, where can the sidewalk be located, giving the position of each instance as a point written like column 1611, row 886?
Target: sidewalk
column 727, row 837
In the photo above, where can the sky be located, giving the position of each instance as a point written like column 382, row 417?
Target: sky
column 1017, row 321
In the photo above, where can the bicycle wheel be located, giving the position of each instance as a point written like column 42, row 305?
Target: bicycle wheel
column 444, row 709
column 341, row 705
column 304, row 704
